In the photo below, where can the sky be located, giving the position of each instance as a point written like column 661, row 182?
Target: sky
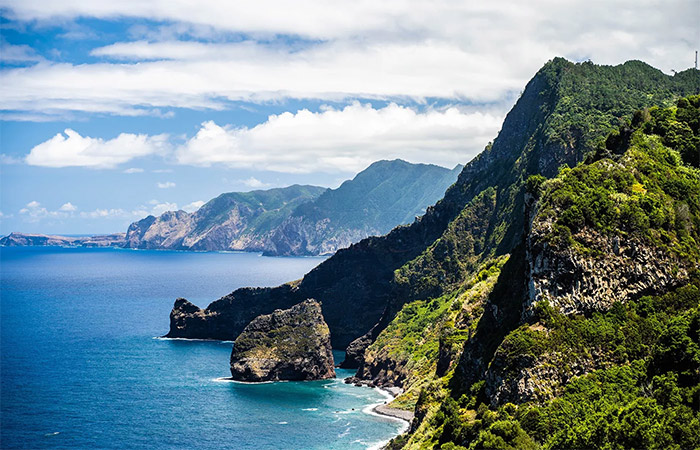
column 110, row 111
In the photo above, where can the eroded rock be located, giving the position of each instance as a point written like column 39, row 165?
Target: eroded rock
column 291, row 344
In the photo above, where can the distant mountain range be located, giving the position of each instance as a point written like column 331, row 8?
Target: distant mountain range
column 295, row 220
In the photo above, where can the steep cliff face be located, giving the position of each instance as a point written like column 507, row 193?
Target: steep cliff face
column 541, row 132
column 292, row 344
column 165, row 232
column 577, row 283
column 587, row 310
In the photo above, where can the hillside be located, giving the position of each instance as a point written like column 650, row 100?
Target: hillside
column 301, row 220
column 381, row 197
column 231, row 221
column 589, row 334
column 563, row 113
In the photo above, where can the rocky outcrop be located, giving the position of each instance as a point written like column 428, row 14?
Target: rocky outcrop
column 292, row 344
column 22, row 240
column 529, row 378
column 612, row 269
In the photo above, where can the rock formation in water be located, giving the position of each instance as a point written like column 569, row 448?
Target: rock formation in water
column 291, row 344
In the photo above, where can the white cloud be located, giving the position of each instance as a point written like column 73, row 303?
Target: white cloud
column 347, row 139
column 34, row 212
column 72, row 149
column 457, row 50
column 194, row 206
column 160, row 208
column 166, row 185
column 255, row 183
column 18, row 53
column 68, row 207
column 133, row 170
column 6, row 216
column 9, row 159
column 101, row 213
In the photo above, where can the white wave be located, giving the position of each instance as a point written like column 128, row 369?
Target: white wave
column 309, row 409
column 163, row 338
column 282, row 423
column 230, row 380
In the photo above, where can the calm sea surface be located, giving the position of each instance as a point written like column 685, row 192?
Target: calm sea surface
column 80, row 367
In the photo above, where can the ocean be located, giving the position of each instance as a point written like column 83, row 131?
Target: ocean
column 81, row 366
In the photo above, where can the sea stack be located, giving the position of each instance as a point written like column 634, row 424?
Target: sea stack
column 290, row 344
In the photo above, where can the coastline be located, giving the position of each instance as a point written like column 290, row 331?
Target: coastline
column 382, row 410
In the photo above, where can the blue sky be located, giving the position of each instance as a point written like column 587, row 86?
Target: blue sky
column 114, row 110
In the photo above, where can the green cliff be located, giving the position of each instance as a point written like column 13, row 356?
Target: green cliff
column 590, row 336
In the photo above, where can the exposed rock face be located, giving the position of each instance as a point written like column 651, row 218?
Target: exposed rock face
column 22, row 239
column 231, row 221
column 164, row 232
column 579, row 284
column 292, row 344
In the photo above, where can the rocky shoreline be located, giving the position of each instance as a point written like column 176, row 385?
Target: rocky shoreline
column 389, row 411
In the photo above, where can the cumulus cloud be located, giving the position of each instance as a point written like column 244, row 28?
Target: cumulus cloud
column 68, row 207
column 34, row 211
column 194, row 206
column 105, row 213
column 457, row 50
column 160, row 208
column 254, row 183
column 72, row 149
column 166, row 185
column 133, row 170
column 346, row 139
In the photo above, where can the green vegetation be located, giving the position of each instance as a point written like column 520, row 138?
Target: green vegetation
column 384, row 195
column 648, row 397
column 636, row 185
column 427, row 334
column 628, row 377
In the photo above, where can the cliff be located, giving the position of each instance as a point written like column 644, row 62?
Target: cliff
column 587, row 310
column 292, row 344
column 564, row 111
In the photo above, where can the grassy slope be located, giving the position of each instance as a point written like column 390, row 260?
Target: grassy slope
column 649, row 396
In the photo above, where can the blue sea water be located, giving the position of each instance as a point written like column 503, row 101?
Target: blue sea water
column 80, row 367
